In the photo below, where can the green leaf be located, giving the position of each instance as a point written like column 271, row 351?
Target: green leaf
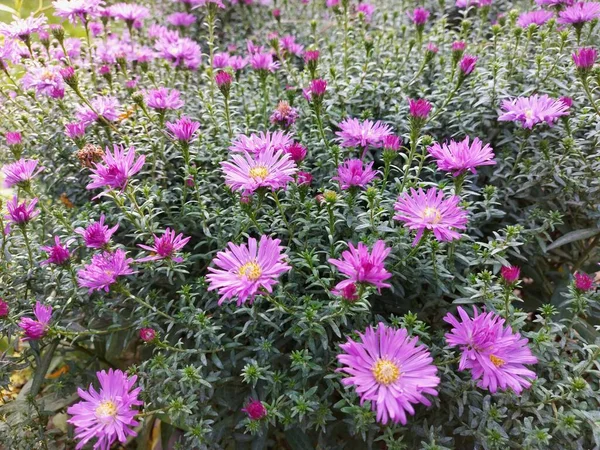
column 574, row 236
column 298, row 440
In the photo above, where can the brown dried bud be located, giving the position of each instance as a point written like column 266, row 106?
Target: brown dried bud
column 89, row 155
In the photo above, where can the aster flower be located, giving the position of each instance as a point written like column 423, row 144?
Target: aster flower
column 116, row 168
column 20, row 173
column 363, row 267
column 237, row 63
column 583, row 281
column 459, row 157
column 419, row 109
column 4, row 309
column 46, row 81
column 58, row 253
column 353, row 173
column 533, row 110
column 510, row 274
column 147, row 334
column 429, row 210
column 259, row 143
column 21, row 213
column 270, row 169
column 104, row 106
column 348, row 292
column 419, row 16
column 297, row 152
column 555, row 3
column 392, row 143
column 221, row 60
column 165, row 247
column 77, row 9
column 315, row 91
column 184, row 130
column 290, row 46
column 244, row 270
column 585, row 58
column 180, row 52
column 255, row 410
column 181, row 19
column 304, row 179
column 495, row 355
column 467, row 64
column 580, row 13
column 13, row 138
column 284, row 115
column 97, row 235
column 224, row 80
column 36, row 329
column 354, row 133
column 389, row 369
column 366, row 10
column 23, row 28
column 107, row 414
column 104, row 270
column 538, row 18
column 132, row 13
column 163, row 99
column 263, row 62
column 75, row 130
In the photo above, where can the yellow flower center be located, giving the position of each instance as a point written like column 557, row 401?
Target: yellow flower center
column 529, row 113
column 498, row 362
column 385, row 371
column 250, row 270
column 47, row 76
column 432, row 215
column 106, row 410
column 259, row 172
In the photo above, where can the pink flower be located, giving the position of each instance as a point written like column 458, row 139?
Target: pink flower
column 583, row 281
column 181, row 19
column 20, row 172
column 237, row 63
column 432, row 48
column 45, row 80
column 353, row 173
column 459, row 157
column 304, row 179
column 392, row 143
column 116, row 169
column 180, row 52
column 585, row 58
column 147, row 334
column 297, row 152
column 270, row 169
column 419, row 109
column 467, row 64
column 291, row 47
column 284, row 115
column 13, row 138
column 57, row 254
column 23, row 28
column 107, row 414
column 389, row 369
column 263, row 62
column 580, row 13
column 21, row 213
column 315, row 91
column 104, row 270
column 495, row 355
column 510, row 274
column 363, row 267
column 77, row 9
column 3, row 309
column 97, row 235
column 221, row 60
column 259, row 143
column 348, row 292
column 75, row 130
column 538, row 18
column 255, row 410
column 244, row 270
column 184, row 130
column 224, row 80
column 366, row 9
column 354, row 133
column 107, row 107
column 163, row 99
column 36, row 329
column 311, row 56
column 419, row 16
column 458, row 46
column 556, row 3
column 131, row 13
column 429, row 210
column 533, row 110
column 165, row 247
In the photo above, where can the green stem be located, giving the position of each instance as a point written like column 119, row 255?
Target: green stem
column 28, row 245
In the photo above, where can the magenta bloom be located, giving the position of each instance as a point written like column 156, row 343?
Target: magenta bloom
column 533, row 110
column 23, row 28
column 255, row 410
column 223, row 80
column 165, row 247
column 459, row 157
column 116, row 169
column 270, row 168
column 510, row 274
column 104, row 270
column 291, row 47
column 392, row 143
column 163, row 99
column 259, row 143
column 77, row 9
column 57, row 254
column 3, row 309
column 75, row 130
column 431, row 211
column 353, row 173
column 106, row 107
column 264, row 62
column 304, row 179
column 311, row 56
column 237, row 63
column 107, row 414
column 580, row 13
column 131, row 13
column 181, row 19
column 585, row 58
column 354, row 133
column 366, row 9
column 284, row 115
column 297, row 152
column 555, row 3
column 21, row 213
column 36, row 329
column 538, row 18
column 389, row 369
column 348, row 292
column 360, row 266
column 315, row 91
column 221, row 60
column 20, row 172
column 419, row 16
column 244, row 270
column 46, row 81
column 495, row 355
column 467, row 64
column 583, row 281
column 97, row 235
column 180, row 52
column 147, row 334
column 184, row 130
column 13, row 138
column 459, row 46
column 419, row 109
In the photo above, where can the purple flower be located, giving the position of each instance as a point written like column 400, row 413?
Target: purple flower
column 165, row 247
column 184, row 130
column 237, row 63
column 21, row 213
column 259, row 143
column 389, row 369
column 58, row 253
column 352, row 173
column 107, row 414
column 419, row 109
column 163, row 99
column 221, row 60
column 3, row 309
column 348, row 292
column 77, row 9
column 104, row 106
column 459, row 46
column 36, row 329
column 538, row 18
column 75, row 130
column 181, row 19
column 270, row 169
column 510, row 274
column 255, row 410
column 583, row 281
column 263, row 62
column 363, row 267
column 354, row 133
column 495, row 355
column 20, row 172
column 13, row 138
column 23, row 28
column 533, row 110
column 391, row 142
column 131, row 13
column 432, row 49
column 419, row 16
column 244, row 270
column 116, row 169
column 284, row 115
column 315, row 91
column 224, row 80
column 429, row 210
column 181, row 52
column 467, row 64
column 580, row 13
column 297, row 152
column 97, row 235
column 46, row 81
column 304, row 179
column 311, row 56
column 147, row 334
column 585, row 58
column 104, row 270
column 288, row 43
column 459, row 157
column 366, row 9
column 555, row 3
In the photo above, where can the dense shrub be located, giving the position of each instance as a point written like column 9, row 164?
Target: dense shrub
column 421, row 181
